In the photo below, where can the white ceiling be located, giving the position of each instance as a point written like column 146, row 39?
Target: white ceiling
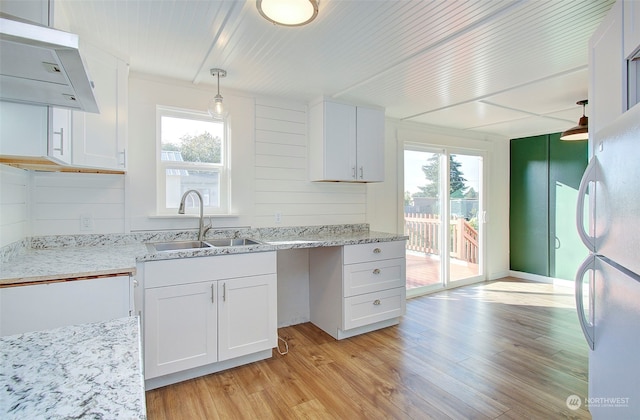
column 512, row 68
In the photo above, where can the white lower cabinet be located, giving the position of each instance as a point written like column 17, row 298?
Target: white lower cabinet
column 44, row 306
column 181, row 328
column 357, row 288
column 202, row 311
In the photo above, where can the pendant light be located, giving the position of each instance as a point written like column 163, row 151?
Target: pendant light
column 288, row 12
column 216, row 107
column 581, row 131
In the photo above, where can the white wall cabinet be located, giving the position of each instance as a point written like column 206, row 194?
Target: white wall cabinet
column 199, row 311
column 100, row 140
column 346, row 142
column 368, row 292
column 57, row 304
column 607, row 72
column 34, row 10
column 59, row 134
column 75, row 138
column 631, row 11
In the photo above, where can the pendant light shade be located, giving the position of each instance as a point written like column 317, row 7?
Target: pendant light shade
column 216, row 107
column 288, row 12
column 581, row 131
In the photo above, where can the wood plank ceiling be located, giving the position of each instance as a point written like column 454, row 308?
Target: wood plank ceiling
column 511, row 68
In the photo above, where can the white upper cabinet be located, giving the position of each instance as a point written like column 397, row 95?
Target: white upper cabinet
column 631, row 9
column 33, row 10
column 370, row 144
column 100, row 140
column 23, row 129
column 607, row 72
column 59, row 144
column 346, row 142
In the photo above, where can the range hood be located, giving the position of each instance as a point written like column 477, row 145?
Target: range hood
column 41, row 65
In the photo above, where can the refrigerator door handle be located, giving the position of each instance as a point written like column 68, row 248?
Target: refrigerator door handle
column 587, row 327
column 588, row 177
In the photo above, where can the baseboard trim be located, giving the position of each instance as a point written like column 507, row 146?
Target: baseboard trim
column 541, row 279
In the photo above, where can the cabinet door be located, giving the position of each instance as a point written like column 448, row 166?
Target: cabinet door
column 607, row 72
column 51, row 305
column 34, row 10
column 370, row 144
column 60, row 134
column 180, row 328
column 567, row 162
column 631, row 10
column 529, row 206
column 99, row 139
column 23, row 129
column 247, row 315
column 334, row 141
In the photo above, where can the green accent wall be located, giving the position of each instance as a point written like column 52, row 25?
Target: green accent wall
column 545, row 175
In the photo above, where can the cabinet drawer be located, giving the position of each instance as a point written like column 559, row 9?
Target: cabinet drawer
column 216, row 267
column 373, row 276
column 374, row 307
column 373, row 252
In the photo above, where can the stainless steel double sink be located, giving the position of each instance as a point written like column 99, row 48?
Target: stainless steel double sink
column 190, row 245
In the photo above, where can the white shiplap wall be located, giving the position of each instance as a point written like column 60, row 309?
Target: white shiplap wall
column 59, row 199
column 282, row 180
column 14, row 207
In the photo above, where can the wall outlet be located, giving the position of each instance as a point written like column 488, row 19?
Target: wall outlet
column 86, row 222
column 278, row 217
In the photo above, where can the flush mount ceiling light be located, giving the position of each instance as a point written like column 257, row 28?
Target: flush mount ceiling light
column 581, row 131
column 288, row 12
column 216, row 108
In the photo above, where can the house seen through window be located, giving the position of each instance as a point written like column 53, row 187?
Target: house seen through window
column 192, row 156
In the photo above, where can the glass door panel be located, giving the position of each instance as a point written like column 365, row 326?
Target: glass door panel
column 422, row 215
column 465, row 190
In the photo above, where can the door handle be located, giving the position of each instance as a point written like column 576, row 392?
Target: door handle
column 588, row 177
column 588, row 264
column 61, row 149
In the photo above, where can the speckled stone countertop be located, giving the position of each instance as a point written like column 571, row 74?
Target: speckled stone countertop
column 82, row 371
column 76, row 256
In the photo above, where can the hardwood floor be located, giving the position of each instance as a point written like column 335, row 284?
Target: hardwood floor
column 502, row 350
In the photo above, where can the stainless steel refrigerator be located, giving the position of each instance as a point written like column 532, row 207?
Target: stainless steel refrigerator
column 608, row 282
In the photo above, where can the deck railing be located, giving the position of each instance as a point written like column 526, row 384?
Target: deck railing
column 424, row 236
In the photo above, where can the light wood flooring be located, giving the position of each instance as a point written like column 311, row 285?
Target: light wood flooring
column 501, row 350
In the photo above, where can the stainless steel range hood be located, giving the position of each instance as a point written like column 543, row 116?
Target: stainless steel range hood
column 41, row 65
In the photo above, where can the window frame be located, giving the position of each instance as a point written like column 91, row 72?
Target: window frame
column 162, row 165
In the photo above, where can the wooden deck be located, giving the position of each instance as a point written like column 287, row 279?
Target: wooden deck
column 424, row 270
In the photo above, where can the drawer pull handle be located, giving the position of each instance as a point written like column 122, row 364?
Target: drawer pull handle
column 376, row 302
column 376, row 271
column 377, row 250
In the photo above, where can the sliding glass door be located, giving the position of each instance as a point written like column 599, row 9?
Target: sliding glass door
column 442, row 214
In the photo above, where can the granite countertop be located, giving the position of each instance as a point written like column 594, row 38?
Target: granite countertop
column 80, row 371
column 80, row 256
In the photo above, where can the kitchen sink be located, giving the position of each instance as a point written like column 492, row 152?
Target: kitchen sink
column 177, row 245
column 232, row 242
column 191, row 245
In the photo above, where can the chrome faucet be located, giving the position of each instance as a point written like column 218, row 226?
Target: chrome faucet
column 201, row 228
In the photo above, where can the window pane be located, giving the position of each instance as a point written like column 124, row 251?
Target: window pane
column 190, row 140
column 207, row 183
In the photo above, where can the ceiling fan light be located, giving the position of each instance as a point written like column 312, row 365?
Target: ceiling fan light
column 580, row 131
column 288, row 12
